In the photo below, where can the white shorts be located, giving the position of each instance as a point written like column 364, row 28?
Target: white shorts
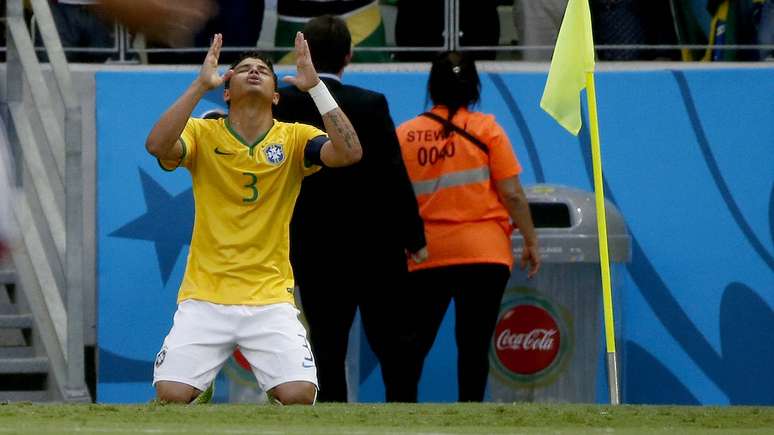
column 204, row 335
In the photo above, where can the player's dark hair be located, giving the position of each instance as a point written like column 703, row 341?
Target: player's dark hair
column 252, row 54
column 329, row 43
column 454, row 82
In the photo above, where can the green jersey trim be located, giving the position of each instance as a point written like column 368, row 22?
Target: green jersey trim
column 242, row 140
column 179, row 162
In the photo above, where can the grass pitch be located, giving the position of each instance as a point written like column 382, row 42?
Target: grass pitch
column 26, row 418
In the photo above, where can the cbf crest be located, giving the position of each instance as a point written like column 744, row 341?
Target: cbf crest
column 275, row 153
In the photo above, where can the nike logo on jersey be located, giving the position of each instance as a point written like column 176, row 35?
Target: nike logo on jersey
column 222, row 153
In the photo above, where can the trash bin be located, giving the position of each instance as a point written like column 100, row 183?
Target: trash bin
column 546, row 344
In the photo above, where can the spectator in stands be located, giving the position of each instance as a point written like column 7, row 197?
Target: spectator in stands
column 733, row 24
column 766, row 29
column 538, row 23
column 421, row 24
column 363, row 18
column 366, row 214
column 719, row 23
column 79, row 27
column 466, row 180
column 170, row 23
column 239, row 21
column 633, row 22
column 618, row 22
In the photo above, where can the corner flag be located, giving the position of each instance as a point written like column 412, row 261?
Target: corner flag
column 573, row 58
column 572, row 70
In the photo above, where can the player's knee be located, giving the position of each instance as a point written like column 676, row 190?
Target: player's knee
column 304, row 396
column 295, row 393
column 174, row 392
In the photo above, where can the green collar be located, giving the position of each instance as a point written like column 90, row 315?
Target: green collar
column 244, row 142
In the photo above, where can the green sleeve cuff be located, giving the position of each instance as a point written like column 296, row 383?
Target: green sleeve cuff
column 182, row 158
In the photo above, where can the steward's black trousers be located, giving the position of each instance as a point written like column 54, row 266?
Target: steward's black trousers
column 477, row 290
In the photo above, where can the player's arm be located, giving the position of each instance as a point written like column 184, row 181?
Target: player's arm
column 164, row 138
column 515, row 200
column 343, row 148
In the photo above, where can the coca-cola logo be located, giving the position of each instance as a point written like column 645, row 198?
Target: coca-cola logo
column 527, row 339
column 537, row 339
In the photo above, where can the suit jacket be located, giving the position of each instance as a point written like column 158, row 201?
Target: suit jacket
column 364, row 214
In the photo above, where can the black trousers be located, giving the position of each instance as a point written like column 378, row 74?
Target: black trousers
column 477, row 290
column 330, row 301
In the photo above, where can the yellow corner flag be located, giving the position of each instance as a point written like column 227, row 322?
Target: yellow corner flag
column 573, row 58
column 572, row 70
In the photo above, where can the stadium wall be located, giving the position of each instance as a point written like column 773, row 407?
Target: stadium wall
column 688, row 156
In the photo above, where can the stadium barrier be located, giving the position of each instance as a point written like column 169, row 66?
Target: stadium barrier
column 687, row 155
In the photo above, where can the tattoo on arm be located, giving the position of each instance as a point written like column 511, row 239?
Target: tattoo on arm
column 346, row 131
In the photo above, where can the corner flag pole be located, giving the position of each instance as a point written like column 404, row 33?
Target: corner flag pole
column 604, row 258
column 572, row 70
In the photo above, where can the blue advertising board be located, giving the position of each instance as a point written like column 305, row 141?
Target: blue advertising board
column 688, row 159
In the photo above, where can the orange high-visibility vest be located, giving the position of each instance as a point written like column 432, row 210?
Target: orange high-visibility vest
column 454, row 181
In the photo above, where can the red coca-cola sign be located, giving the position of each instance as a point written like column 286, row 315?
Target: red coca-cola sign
column 527, row 339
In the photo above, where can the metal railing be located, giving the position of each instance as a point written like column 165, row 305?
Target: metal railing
column 123, row 50
column 49, row 258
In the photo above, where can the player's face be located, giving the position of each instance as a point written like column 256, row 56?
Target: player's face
column 252, row 76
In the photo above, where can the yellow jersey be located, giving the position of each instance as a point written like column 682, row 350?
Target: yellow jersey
column 244, row 196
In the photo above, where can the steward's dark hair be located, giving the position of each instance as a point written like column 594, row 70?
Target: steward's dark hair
column 454, row 82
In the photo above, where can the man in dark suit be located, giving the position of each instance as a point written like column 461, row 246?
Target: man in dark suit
column 353, row 228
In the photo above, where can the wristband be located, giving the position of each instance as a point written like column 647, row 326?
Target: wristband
column 322, row 98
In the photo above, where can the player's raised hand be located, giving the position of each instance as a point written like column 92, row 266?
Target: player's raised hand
column 208, row 75
column 306, row 76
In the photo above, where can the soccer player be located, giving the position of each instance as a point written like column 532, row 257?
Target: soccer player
column 247, row 170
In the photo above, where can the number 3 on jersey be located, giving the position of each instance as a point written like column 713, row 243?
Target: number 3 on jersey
column 253, row 195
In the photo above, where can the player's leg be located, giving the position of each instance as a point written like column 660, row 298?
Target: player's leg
column 477, row 304
column 176, row 392
column 295, row 393
column 193, row 352
column 179, row 392
column 273, row 341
